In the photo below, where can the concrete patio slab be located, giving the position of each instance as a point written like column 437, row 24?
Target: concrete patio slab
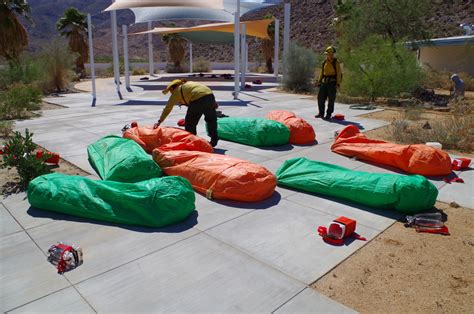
column 228, row 257
column 378, row 219
column 108, row 246
column 199, row 274
column 25, row 274
column 461, row 193
column 8, row 224
column 309, row 301
column 19, row 208
column 64, row 301
column 285, row 237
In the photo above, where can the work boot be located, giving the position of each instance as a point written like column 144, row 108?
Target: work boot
column 327, row 117
column 213, row 142
column 318, row 116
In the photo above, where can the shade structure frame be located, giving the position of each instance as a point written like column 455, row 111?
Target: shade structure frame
column 129, row 4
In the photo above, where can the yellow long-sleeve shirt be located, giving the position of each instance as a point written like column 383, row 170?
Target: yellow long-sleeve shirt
column 328, row 70
column 185, row 94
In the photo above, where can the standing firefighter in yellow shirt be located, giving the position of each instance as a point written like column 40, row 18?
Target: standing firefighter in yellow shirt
column 200, row 101
column 329, row 82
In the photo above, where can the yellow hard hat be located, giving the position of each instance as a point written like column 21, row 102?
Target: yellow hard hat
column 330, row 49
column 173, row 84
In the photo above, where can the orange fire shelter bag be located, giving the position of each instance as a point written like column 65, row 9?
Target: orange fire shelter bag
column 218, row 176
column 417, row 159
column 301, row 132
column 167, row 138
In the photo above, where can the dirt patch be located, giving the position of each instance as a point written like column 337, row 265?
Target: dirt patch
column 9, row 178
column 402, row 271
column 421, row 118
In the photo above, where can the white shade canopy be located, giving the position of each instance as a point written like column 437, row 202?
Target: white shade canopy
column 202, row 4
column 193, row 13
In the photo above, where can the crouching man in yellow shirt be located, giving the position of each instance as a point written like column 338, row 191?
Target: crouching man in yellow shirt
column 200, row 101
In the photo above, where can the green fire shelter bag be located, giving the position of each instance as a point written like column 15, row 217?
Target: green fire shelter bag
column 407, row 194
column 253, row 131
column 156, row 202
column 123, row 160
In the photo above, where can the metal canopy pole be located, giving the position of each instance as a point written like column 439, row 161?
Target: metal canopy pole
column 115, row 54
column 242, row 55
column 191, row 57
column 276, row 57
column 236, row 50
column 150, row 50
column 286, row 31
column 125, row 57
column 91, row 59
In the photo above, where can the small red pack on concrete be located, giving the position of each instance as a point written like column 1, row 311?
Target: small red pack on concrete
column 461, row 163
column 339, row 116
column 54, row 159
column 181, row 122
column 339, row 229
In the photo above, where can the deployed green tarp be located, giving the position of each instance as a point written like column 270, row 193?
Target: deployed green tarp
column 253, row 131
column 156, row 202
column 407, row 194
column 123, row 160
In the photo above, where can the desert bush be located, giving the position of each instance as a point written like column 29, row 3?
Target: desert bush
column 454, row 132
column 202, row 65
column 378, row 68
column 436, row 79
column 139, row 71
column 18, row 99
column 20, row 154
column 6, row 128
column 468, row 81
column 58, row 62
column 29, row 71
column 461, row 106
column 300, row 65
column 412, row 112
column 171, row 68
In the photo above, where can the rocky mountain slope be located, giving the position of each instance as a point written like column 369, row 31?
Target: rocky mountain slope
column 310, row 25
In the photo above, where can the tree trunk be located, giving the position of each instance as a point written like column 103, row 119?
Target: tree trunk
column 269, row 65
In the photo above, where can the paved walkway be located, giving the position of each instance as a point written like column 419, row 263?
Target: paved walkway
column 228, row 257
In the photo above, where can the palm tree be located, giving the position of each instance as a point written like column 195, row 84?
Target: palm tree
column 73, row 25
column 13, row 36
column 268, row 45
column 175, row 48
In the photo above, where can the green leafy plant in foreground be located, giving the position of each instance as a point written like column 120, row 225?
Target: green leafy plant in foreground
column 20, row 154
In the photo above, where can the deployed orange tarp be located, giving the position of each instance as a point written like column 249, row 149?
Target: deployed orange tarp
column 167, row 138
column 218, row 176
column 301, row 132
column 418, row 159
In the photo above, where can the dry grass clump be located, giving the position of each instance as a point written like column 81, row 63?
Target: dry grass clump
column 453, row 132
column 139, row 71
column 436, row 79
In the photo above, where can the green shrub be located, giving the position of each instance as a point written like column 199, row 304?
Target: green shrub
column 202, row 65
column 171, row 68
column 300, row 65
column 20, row 154
column 6, row 127
column 139, row 71
column 58, row 61
column 18, row 99
column 30, row 71
column 379, row 69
